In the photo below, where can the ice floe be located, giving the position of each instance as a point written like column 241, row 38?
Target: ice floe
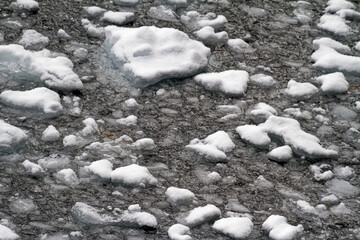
column 94, row 11
column 335, row 5
column 300, row 91
column 279, row 229
column 33, row 40
column 179, row 196
column 163, row 13
column 209, row 37
column 25, row 5
column 179, row 232
column 7, row 234
column 263, row 80
column 118, row 18
column 195, row 21
column 281, row 154
column 133, row 175
column 50, row 134
column 235, row 227
column 239, row 46
column 333, row 83
column 67, row 177
column 32, row 168
column 102, row 168
column 201, row 215
column 10, row 137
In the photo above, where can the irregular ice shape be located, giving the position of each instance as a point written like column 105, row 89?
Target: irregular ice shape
column 94, row 11
column 91, row 29
column 263, row 80
column 67, row 177
column 148, row 55
column 22, row 205
column 334, row 24
column 126, row 3
column 136, row 218
column 133, row 175
column 87, row 214
column 70, row 141
column 177, row 3
column 54, row 161
column 7, row 234
column 344, row 172
column 10, row 137
column 91, row 127
column 348, row 14
column 32, row 168
column 342, row 187
column 333, row 83
column 103, row 168
column 179, row 196
column 290, row 132
column 279, row 229
column 340, row 209
column 162, row 13
column 320, row 174
column 179, row 232
column 128, row 121
column 56, row 72
column 201, row 215
column 300, row 90
column 330, row 200
column 329, row 59
column 118, row 18
column 232, row 82
column 357, row 46
column 262, row 112
column 213, row 147
column 240, row 46
column 331, row 43
column 336, row 5
column 63, row 36
column 195, row 21
column 144, row 144
column 306, row 207
column 235, row 227
column 50, row 134
column 131, row 103
column 281, row 154
column 208, row 36
column 33, row 40
column 38, row 99
column 25, row 5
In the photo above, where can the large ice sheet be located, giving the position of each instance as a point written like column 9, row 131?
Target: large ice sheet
column 148, row 55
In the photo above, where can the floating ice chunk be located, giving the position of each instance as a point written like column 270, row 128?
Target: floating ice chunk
column 179, row 232
column 208, row 36
column 336, row 5
column 162, row 13
column 279, row 229
column 340, row 209
column 290, row 132
column 70, row 141
column 128, row 121
column 344, row 172
column 263, row 182
column 144, row 144
column 91, row 127
column 133, row 175
column 67, row 177
column 281, row 154
column 179, row 196
column 22, row 205
column 87, row 214
column 33, row 40
column 7, row 234
column 136, row 218
column 333, row 83
column 235, row 227
column 297, row 113
column 357, row 46
column 240, row 46
column 334, row 24
column 92, row 30
column 262, row 112
column 63, row 36
column 10, row 137
column 25, row 5
column 330, row 200
column 300, row 91
column 131, row 103
column 213, row 147
column 306, row 207
column 201, row 215
column 320, row 174
column 349, row 14
column 32, row 168
column 55, row 72
column 177, row 3
column 194, row 20
column 148, row 55
column 118, row 18
column 54, row 161
column 232, row 82
column 126, row 3
column 50, row 134
column 263, row 80
column 342, row 187
column 43, row 99
column 94, row 11
column 213, row 177
column 328, row 42
column 103, row 168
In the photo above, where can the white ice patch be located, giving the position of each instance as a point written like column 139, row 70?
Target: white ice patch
column 290, row 132
column 7, row 234
column 118, row 18
column 32, row 168
column 336, row 5
column 131, row 103
column 179, row 196
column 348, row 14
column 232, row 82
column 133, row 175
column 262, row 112
column 148, row 55
column 235, row 227
column 239, row 46
column 126, row 3
column 263, row 80
column 333, row 83
column 340, row 209
column 342, row 188
column 279, row 229
column 50, row 134
column 321, row 173
column 306, row 207
column 162, row 13
column 27, row 5
column 70, row 141
column 128, row 121
column 39, row 99
column 179, row 232
column 195, row 21
column 209, row 37
column 213, row 147
column 33, row 40
column 94, row 11
column 91, row 127
column 91, row 29
column 201, row 215
column 300, row 91
column 63, row 36
column 19, row 64
column 331, row 43
column 144, row 144
column 334, row 24
column 357, row 46
column 54, row 161
column 67, row 177
column 344, row 172
column 10, row 136
column 102, row 168
column 281, row 154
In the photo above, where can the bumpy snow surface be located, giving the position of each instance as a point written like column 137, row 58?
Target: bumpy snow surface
column 150, row 54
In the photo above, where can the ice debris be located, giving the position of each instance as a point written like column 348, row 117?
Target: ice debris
column 179, row 196
column 201, row 215
column 179, row 232
column 235, row 227
column 133, row 175
column 279, row 229
column 33, row 40
column 10, row 137
column 50, row 134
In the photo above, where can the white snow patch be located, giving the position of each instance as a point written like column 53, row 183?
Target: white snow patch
column 179, row 196
column 306, row 207
column 33, row 40
column 91, row 127
column 133, row 175
column 209, row 37
column 320, row 173
column 131, row 103
column 10, row 136
column 91, row 29
column 28, row 5
column 70, row 141
column 62, row 35
column 300, row 90
column 331, row 43
column 349, row 14
column 333, row 83
column 128, row 121
column 263, row 80
column 67, row 177
column 201, row 215
column 235, row 227
column 118, row 18
column 7, row 234
column 149, row 54
column 336, row 5
column 144, row 144
column 281, row 154
column 357, row 46
column 163, row 13
column 94, row 11
column 103, row 168
column 232, row 82
column 179, row 232
column 32, row 168
column 261, row 112
column 194, row 20
column 50, row 134
column 344, row 172
column 334, row 24
column 239, row 46
column 279, row 229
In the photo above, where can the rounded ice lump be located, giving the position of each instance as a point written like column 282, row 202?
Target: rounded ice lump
column 148, row 54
